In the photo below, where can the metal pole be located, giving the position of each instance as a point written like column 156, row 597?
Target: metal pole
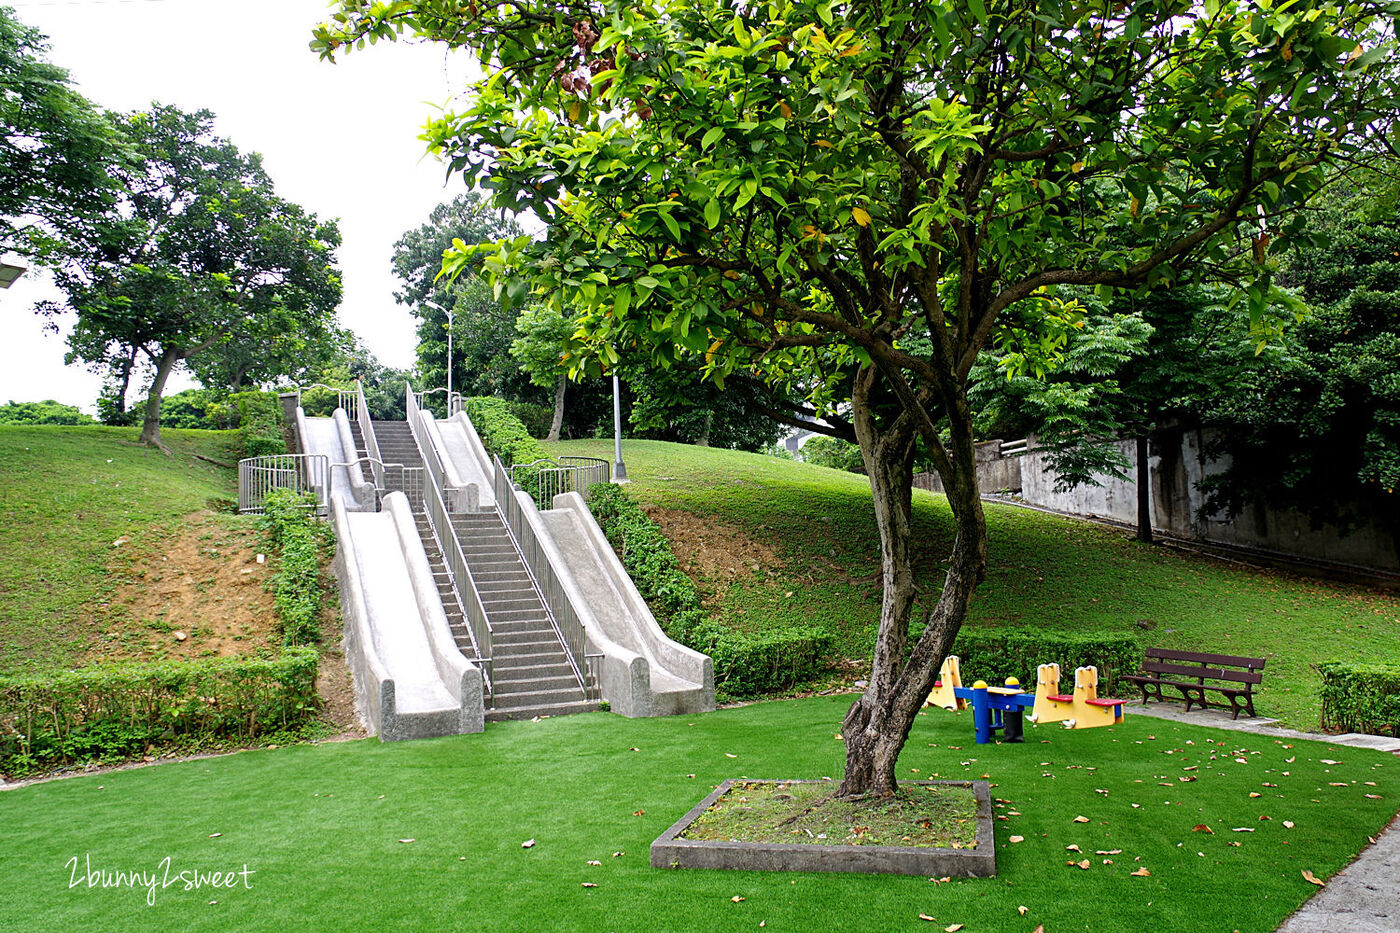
column 619, row 468
column 450, row 316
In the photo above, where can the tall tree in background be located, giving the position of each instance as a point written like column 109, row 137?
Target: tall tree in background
column 859, row 193
column 1317, row 429
column 482, row 329
column 197, row 253
column 56, row 148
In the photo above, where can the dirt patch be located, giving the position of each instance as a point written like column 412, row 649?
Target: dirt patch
column 337, row 690
column 715, row 554
column 194, row 591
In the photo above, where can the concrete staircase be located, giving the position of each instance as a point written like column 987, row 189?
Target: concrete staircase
column 530, row 671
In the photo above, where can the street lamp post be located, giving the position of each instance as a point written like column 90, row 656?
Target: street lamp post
column 450, row 316
column 619, row 468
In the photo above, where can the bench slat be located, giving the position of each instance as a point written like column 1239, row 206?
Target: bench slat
column 1209, row 673
column 1168, row 654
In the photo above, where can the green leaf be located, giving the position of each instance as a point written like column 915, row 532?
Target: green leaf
column 711, row 136
column 712, row 213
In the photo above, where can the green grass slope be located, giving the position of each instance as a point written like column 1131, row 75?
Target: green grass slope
column 66, row 494
column 428, row 835
column 1044, row 571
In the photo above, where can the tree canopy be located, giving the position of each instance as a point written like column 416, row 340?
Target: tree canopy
column 850, row 200
column 197, row 256
column 56, row 148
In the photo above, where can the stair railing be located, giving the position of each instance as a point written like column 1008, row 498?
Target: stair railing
column 376, row 462
column 440, row 520
column 557, row 605
column 544, row 478
column 258, row 476
column 344, row 398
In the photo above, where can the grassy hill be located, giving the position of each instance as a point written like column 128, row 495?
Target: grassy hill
column 771, row 542
column 66, row 495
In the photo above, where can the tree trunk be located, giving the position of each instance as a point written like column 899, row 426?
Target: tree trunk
column 704, row 440
column 150, row 428
column 877, row 725
column 1144, row 492
column 557, row 424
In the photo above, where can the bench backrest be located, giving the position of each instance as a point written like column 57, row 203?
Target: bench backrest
column 1199, row 657
column 1198, row 671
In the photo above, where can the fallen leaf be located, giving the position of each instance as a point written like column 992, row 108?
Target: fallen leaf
column 1022, row 910
column 1329, row 761
column 1202, row 828
column 1084, row 864
column 639, row 812
column 952, row 928
column 1288, row 824
column 1373, row 796
column 589, row 884
column 635, row 749
column 1039, row 928
column 1243, row 829
column 407, row 840
column 1081, row 819
column 736, row 898
column 727, row 755
column 1309, row 876
column 1255, row 793
column 1109, row 852
column 1017, row 839
column 926, row 917
column 215, row 835
column 1071, row 848
column 617, row 854
column 1141, row 873
column 594, row 861
column 524, row 845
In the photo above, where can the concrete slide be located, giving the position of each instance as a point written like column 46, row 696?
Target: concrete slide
column 411, row 681
column 465, row 464
column 332, row 438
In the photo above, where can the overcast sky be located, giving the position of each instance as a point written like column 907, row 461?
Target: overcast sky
column 341, row 140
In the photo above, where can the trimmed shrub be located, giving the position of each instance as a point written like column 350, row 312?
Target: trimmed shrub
column 304, row 544
column 535, row 418
column 502, row 433
column 996, row 654
column 113, row 711
column 1361, row 697
column 746, row 664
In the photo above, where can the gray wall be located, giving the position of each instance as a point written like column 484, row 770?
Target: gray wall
column 1177, row 464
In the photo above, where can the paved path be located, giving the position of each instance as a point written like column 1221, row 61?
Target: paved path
column 1364, row 897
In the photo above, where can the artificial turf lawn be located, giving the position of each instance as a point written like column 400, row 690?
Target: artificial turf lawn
column 1044, row 571
column 320, row 827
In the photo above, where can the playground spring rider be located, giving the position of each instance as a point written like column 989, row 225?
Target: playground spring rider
column 1000, row 709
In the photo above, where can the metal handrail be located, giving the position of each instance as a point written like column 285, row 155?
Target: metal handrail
column 343, row 397
column 367, row 432
column 567, row 474
column 257, row 476
column 440, row 520
column 557, row 606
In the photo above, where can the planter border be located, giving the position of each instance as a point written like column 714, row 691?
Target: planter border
column 671, row 851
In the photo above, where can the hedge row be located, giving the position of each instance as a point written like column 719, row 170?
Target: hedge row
column 1361, row 697
column 996, row 654
column 502, row 433
column 113, row 711
column 745, row 664
column 303, row 544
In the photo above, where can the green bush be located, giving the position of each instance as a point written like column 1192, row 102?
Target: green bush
column 745, row 664
column 45, row 412
column 535, row 418
column 112, row 711
column 258, row 418
column 1361, row 697
column 833, row 452
column 304, row 544
column 502, row 433
column 996, row 654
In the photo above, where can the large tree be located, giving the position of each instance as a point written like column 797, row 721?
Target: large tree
column 198, row 255
column 857, row 195
column 56, row 148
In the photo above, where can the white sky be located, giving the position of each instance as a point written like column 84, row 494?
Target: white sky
column 341, row 140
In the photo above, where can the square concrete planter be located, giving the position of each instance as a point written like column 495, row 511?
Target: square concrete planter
column 670, row 851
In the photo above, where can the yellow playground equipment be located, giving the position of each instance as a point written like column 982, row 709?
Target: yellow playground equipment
column 1084, row 709
column 949, row 679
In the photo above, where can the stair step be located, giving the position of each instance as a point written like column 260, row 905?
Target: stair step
column 530, row 712
column 504, row 699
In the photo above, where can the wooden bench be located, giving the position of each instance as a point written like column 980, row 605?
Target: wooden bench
column 1194, row 673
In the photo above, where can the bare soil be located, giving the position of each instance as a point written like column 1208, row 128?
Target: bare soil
column 198, row 590
column 713, row 553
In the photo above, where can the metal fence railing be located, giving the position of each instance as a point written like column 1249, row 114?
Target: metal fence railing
column 376, row 463
column 558, row 607
column 258, row 476
column 440, row 520
column 544, row 479
column 344, row 398
column 452, row 405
